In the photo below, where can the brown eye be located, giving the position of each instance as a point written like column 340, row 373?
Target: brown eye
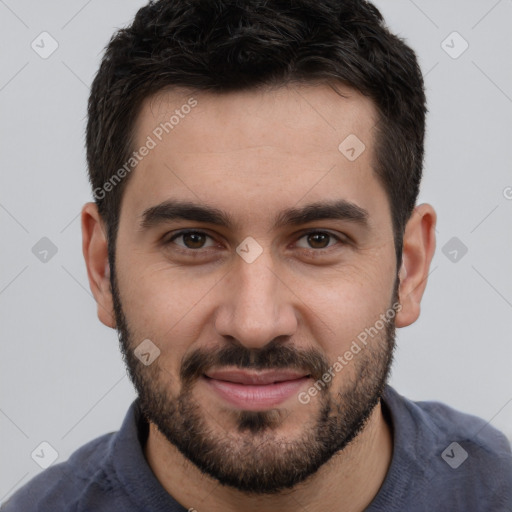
column 191, row 239
column 319, row 240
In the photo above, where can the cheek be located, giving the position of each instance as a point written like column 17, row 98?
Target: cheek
column 340, row 308
column 165, row 305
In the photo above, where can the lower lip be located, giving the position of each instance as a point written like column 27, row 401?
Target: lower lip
column 255, row 397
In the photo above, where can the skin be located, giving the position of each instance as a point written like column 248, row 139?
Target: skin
column 253, row 154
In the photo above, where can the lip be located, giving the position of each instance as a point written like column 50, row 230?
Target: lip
column 255, row 377
column 253, row 391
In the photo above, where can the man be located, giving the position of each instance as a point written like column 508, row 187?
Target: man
column 255, row 241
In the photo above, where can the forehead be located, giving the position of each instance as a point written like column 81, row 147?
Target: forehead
column 295, row 110
column 257, row 150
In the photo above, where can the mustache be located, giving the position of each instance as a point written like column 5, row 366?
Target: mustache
column 273, row 356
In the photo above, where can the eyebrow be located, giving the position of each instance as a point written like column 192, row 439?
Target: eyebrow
column 176, row 209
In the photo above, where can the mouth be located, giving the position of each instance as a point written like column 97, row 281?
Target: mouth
column 253, row 391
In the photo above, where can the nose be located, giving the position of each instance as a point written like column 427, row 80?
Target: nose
column 257, row 306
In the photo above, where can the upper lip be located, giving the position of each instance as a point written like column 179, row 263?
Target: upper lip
column 255, row 378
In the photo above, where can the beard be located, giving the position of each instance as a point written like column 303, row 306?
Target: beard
column 253, row 457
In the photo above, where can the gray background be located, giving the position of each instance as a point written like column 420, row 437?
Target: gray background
column 62, row 378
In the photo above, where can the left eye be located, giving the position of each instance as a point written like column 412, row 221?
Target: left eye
column 319, row 239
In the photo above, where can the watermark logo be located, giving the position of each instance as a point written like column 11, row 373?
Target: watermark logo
column 44, row 45
column 249, row 249
column 151, row 142
column 146, row 352
column 44, row 455
column 44, row 250
column 454, row 249
column 454, row 455
column 356, row 347
column 352, row 147
column 454, row 45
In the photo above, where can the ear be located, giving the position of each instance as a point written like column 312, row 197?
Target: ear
column 95, row 250
column 418, row 250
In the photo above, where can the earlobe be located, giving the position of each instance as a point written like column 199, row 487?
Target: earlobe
column 417, row 253
column 95, row 251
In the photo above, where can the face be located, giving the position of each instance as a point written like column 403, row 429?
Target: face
column 273, row 319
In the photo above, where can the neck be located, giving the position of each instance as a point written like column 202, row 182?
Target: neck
column 348, row 482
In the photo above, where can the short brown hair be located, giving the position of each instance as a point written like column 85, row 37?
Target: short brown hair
column 228, row 45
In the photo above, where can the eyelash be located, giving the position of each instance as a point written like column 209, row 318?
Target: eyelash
column 314, row 252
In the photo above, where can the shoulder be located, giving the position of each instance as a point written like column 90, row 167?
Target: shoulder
column 447, row 422
column 441, row 421
column 62, row 486
column 463, row 458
